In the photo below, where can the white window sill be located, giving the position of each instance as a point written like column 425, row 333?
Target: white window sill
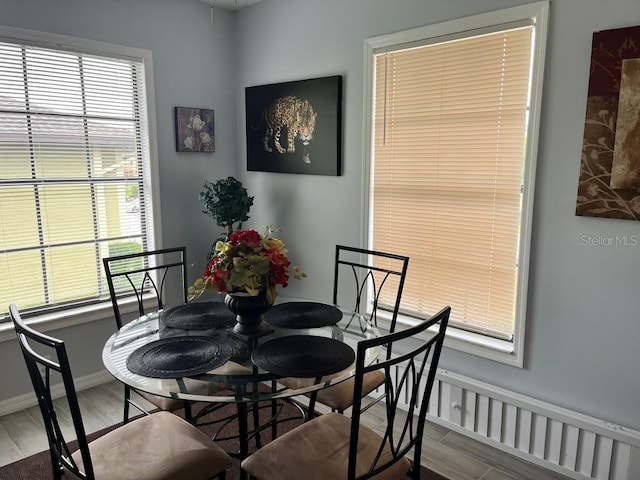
column 473, row 343
column 69, row 318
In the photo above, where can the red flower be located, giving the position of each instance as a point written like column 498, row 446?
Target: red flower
column 210, row 267
column 215, row 275
column 249, row 238
column 218, row 279
column 278, row 267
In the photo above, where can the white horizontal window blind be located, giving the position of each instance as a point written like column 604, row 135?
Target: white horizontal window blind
column 449, row 133
column 73, row 161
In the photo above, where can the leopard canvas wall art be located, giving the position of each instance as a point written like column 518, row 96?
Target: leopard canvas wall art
column 295, row 127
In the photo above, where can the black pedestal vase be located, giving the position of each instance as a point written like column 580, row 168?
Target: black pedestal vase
column 248, row 310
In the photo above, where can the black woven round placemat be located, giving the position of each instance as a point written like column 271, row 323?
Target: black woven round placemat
column 303, row 356
column 198, row 316
column 302, row 315
column 176, row 357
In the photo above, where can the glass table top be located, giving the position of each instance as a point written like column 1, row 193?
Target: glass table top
column 235, row 377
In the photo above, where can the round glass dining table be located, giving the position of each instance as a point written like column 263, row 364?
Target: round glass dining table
column 310, row 344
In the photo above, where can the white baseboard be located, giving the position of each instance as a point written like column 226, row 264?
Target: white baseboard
column 27, row 400
column 567, row 442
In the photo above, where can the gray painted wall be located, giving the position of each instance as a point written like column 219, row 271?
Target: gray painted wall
column 582, row 327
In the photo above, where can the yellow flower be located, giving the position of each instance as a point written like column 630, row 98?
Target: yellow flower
column 272, row 242
column 223, row 247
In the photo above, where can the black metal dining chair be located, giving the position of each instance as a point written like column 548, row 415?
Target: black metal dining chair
column 143, row 277
column 160, row 446
column 336, row 446
column 369, row 275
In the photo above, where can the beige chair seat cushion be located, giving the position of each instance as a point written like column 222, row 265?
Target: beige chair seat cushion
column 160, row 446
column 339, row 396
column 319, row 450
column 163, row 403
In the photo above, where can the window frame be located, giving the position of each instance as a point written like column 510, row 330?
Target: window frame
column 505, row 351
column 57, row 317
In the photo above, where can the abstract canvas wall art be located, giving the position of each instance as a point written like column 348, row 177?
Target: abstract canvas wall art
column 609, row 184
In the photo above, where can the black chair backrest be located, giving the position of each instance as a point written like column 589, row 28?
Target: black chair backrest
column 41, row 366
column 384, row 273
column 143, row 274
column 410, row 375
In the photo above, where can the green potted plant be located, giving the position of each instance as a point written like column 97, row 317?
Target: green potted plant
column 227, row 202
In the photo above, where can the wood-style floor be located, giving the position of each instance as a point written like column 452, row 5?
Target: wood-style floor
column 449, row 453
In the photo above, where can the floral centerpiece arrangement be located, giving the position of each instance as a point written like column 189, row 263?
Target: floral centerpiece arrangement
column 248, row 262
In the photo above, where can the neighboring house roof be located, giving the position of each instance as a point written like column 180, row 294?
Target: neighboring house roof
column 57, row 128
